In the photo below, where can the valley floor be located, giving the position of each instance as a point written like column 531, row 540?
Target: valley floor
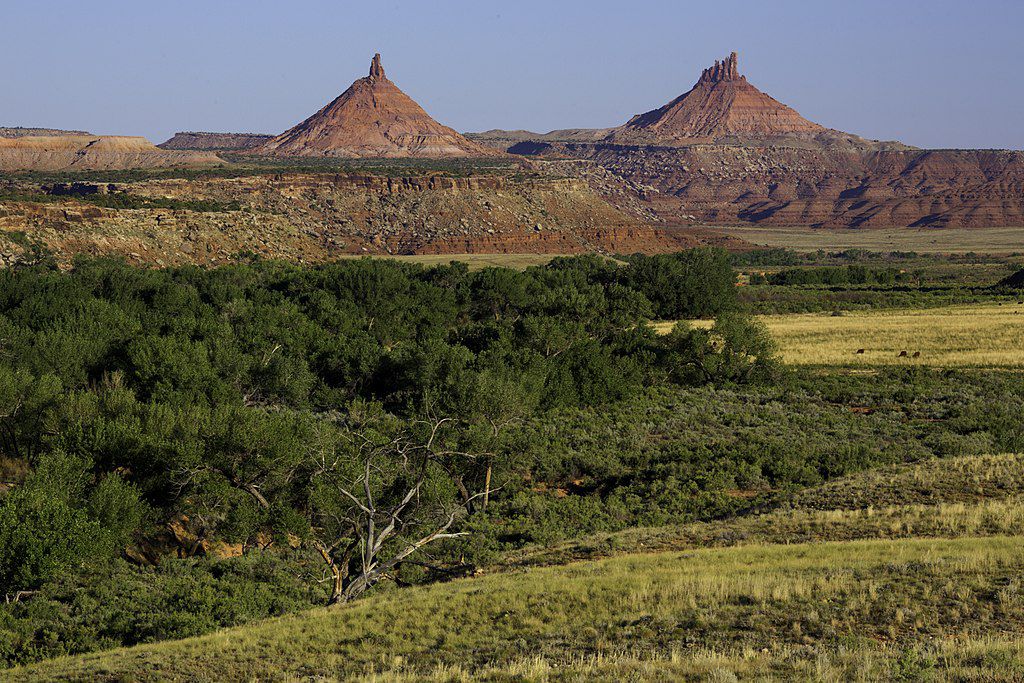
column 993, row 240
column 977, row 335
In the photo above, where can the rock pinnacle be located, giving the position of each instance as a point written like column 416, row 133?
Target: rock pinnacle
column 376, row 70
column 725, row 70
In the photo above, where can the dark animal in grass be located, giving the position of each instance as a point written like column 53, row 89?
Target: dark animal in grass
column 903, row 354
column 917, row 354
column 860, row 351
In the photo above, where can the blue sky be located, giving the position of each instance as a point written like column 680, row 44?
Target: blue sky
column 933, row 74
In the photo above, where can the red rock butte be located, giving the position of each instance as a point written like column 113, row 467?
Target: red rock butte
column 373, row 118
column 722, row 104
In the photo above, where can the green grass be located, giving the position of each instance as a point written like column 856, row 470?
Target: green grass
column 907, row 573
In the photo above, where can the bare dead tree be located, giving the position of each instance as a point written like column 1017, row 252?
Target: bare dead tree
column 379, row 514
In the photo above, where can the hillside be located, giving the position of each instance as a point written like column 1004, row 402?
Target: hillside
column 1015, row 281
column 68, row 152
column 877, row 605
column 821, row 188
column 310, row 216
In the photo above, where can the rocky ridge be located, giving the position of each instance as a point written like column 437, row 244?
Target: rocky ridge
column 20, row 132
column 214, row 142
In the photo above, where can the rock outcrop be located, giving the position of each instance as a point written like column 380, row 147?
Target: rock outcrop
column 92, row 153
column 214, row 142
column 373, row 118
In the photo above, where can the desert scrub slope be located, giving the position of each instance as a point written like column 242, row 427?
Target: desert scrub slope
column 941, row 497
column 968, row 479
column 770, row 610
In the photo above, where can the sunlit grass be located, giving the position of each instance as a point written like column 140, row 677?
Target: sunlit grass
column 923, row 240
column 970, row 496
column 978, row 335
column 736, row 611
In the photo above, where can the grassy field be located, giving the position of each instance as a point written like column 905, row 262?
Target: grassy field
column 930, row 241
column 868, row 609
column 979, row 335
column 856, row 599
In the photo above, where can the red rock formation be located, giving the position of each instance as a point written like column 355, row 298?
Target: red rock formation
column 722, row 106
column 725, row 152
column 373, row 118
column 829, row 188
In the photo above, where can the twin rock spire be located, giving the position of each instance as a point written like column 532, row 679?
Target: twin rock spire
column 726, row 70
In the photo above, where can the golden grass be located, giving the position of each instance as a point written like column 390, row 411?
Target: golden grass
column 1001, row 240
column 959, row 659
column 977, row 335
column 757, row 610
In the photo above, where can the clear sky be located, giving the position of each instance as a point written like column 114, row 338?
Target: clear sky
column 936, row 73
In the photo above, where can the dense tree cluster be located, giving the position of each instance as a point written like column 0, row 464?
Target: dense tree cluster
column 358, row 408
column 832, row 276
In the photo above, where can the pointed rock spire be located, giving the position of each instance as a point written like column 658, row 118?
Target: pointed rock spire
column 721, row 104
column 725, row 70
column 373, row 118
column 376, row 70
